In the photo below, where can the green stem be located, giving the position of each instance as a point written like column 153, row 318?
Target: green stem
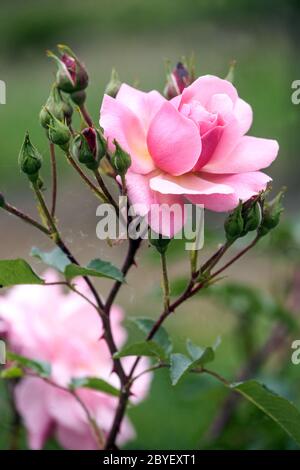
column 25, row 217
column 54, row 178
column 165, row 282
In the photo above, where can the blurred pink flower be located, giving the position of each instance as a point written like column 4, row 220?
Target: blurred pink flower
column 46, row 324
column 193, row 147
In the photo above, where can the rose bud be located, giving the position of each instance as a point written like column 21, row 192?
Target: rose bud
column 271, row 214
column 71, row 74
column 89, row 147
column 120, row 160
column 178, row 79
column 160, row 243
column 58, row 132
column 113, row 85
column 252, row 217
column 60, row 108
column 30, row 160
column 234, row 224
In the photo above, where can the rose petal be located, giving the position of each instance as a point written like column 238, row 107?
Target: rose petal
column 205, row 87
column 144, row 105
column 250, row 154
column 244, row 185
column 120, row 123
column 187, row 184
column 173, row 141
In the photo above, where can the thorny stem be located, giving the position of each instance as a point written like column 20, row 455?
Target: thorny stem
column 189, row 292
column 54, row 178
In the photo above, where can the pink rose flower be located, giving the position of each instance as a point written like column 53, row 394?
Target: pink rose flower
column 191, row 148
column 44, row 323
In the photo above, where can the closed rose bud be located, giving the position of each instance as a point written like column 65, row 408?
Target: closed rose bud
column 234, row 224
column 30, row 160
column 113, row 85
column 58, row 132
column 121, row 160
column 178, row 79
column 58, row 106
column 161, row 244
column 252, row 217
column 71, row 74
column 271, row 214
column 89, row 147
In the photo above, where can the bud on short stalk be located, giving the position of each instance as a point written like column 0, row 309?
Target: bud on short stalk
column 89, row 147
column 177, row 80
column 71, row 74
column 30, row 160
column 271, row 214
column 234, row 224
column 120, row 160
column 113, row 85
column 58, row 132
column 161, row 244
column 58, row 106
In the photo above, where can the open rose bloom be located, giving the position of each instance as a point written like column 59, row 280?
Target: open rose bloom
column 192, row 148
column 44, row 323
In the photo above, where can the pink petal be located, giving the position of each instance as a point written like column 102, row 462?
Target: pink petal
column 244, row 115
column 147, row 203
column 187, row 184
column 244, row 185
column 73, row 439
column 210, row 141
column 173, row 141
column 205, row 87
column 144, row 105
column 168, row 216
column 31, row 401
column 120, row 123
column 250, row 154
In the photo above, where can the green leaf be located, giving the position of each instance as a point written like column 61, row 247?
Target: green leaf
column 94, row 383
column 142, row 348
column 40, row 367
column 55, row 258
column 283, row 412
column 180, row 365
column 96, row 268
column 161, row 336
column 17, row 271
column 200, row 356
column 11, row 373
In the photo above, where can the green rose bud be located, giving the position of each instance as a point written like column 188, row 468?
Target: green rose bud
column 252, row 217
column 113, row 85
column 121, row 160
column 271, row 214
column 160, row 243
column 58, row 106
column 234, row 224
column 58, row 132
column 30, row 160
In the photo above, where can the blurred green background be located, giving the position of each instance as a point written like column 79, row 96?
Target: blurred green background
column 137, row 37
